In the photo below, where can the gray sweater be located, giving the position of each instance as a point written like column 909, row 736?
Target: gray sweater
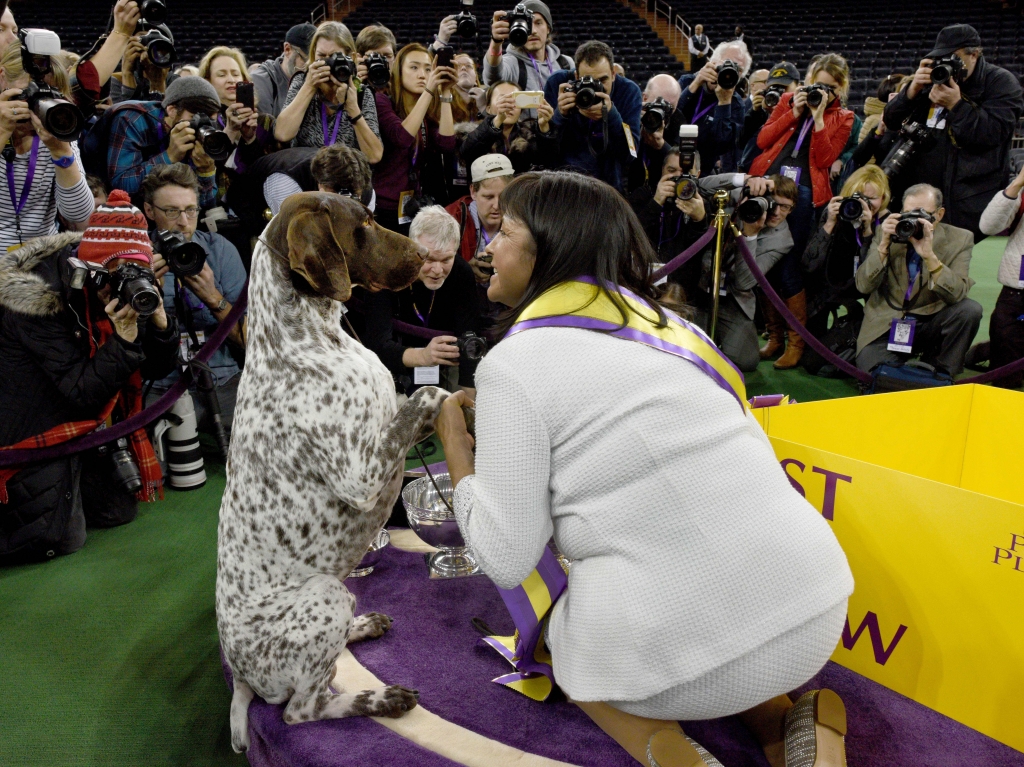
column 536, row 76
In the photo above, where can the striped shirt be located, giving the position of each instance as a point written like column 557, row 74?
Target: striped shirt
column 46, row 198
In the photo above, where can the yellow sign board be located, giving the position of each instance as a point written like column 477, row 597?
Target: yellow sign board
column 925, row 492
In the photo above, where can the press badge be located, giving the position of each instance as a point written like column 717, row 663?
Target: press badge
column 792, row 172
column 404, row 198
column 629, row 139
column 901, row 335
column 426, row 375
column 937, row 117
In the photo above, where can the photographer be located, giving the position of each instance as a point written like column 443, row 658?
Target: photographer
column 598, row 138
column 132, row 139
column 783, row 78
column 443, row 298
column 45, row 175
column 658, row 119
column 700, row 48
column 92, row 75
column 835, row 251
column 321, row 109
column 378, row 39
column 171, row 193
column 468, row 84
column 970, row 118
column 529, row 144
column 416, row 126
column 336, row 168
column 72, row 360
column 531, row 65
column 141, row 79
column 272, row 78
column 918, row 289
column 715, row 110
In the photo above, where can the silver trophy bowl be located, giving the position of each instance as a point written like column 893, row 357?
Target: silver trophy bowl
column 372, row 555
column 431, row 520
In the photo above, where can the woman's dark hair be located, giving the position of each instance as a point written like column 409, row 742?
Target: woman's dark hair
column 889, row 84
column 581, row 227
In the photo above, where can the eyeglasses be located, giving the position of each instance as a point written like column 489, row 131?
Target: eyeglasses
column 784, row 207
column 175, row 213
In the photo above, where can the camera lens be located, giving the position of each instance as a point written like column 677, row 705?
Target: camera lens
column 184, row 258
column 126, row 473
column 518, row 33
column 153, row 11
column 466, row 24
column 750, row 211
column 728, row 76
column 139, row 293
column 942, row 73
column 814, row 97
column 160, row 52
column 377, row 70
column 851, row 210
column 652, row 120
column 907, row 228
column 772, row 98
column 472, row 346
column 685, row 189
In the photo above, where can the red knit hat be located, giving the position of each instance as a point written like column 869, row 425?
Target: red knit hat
column 116, row 230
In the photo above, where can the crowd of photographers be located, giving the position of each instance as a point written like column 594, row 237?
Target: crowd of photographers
column 137, row 185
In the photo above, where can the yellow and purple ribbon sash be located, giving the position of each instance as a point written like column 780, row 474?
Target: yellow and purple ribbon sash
column 530, row 605
column 579, row 304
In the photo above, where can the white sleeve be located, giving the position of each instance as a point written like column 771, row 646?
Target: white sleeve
column 504, row 510
column 277, row 187
column 75, row 203
column 999, row 213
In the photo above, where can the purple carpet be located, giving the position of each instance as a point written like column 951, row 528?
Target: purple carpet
column 432, row 647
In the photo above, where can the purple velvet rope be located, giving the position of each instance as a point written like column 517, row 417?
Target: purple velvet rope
column 685, row 256
column 137, row 421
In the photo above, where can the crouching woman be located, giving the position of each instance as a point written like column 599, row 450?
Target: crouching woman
column 702, row 583
column 71, row 361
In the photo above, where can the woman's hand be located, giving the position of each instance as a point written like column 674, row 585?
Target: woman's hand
column 12, row 111
column 447, row 29
column 799, row 103
column 441, row 80
column 159, row 317
column 866, row 219
column 450, row 425
column 126, row 15
column 57, row 147
column 505, row 105
column 818, row 112
column 124, row 320
column 1011, row 191
column 317, row 73
column 351, row 99
column 544, row 114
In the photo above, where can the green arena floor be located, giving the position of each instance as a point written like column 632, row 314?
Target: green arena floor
column 109, row 656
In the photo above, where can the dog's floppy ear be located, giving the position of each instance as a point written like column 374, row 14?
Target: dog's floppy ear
column 315, row 253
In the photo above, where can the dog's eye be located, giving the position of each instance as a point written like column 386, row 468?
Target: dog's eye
column 368, row 223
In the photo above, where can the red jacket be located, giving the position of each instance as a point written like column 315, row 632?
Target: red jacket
column 460, row 212
column 826, row 145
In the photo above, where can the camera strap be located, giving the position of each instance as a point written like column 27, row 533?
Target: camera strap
column 697, row 113
column 18, row 203
column 337, row 124
column 808, row 122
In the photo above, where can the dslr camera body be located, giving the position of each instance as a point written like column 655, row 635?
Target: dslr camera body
column 586, row 90
column 912, row 136
column 341, row 65
column 911, row 225
column 773, row 95
column 465, row 21
column 131, row 282
column 948, row 68
column 654, row 115
column 58, row 115
column 378, row 71
column 686, row 182
column 471, row 346
column 815, row 93
column 520, row 24
column 215, row 141
column 850, row 208
column 728, row 74
column 184, row 258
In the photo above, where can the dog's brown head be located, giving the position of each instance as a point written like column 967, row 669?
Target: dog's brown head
column 333, row 243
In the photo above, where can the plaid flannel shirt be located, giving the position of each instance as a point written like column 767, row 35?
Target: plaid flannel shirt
column 138, row 143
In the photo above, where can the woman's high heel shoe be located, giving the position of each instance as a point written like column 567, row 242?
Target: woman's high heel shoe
column 671, row 748
column 816, row 730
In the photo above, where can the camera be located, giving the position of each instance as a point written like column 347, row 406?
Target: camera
column 911, row 225
column 686, row 183
column 215, row 141
column 159, row 44
column 586, row 90
column 773, row 95
column 342, row 66
column 58, row 115
column 465, row 21
column 184, row 258
column 815, row 94
column 850, row 208
column 654, row 115
column 751, row 209
column 153, row 11
column 911, row 137
column 948, row 68
column 728, row 75
column 130, row 282
column 378, row 71
column 126, row 473
column 520, row 24
column 472, row 346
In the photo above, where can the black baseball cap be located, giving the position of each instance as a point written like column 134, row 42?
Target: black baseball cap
column 953, row 38
column 300, row 36
column 783, row 73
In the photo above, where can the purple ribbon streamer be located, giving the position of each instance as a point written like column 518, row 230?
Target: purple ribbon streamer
column 144, row 418
column 685, row 256
column 33, row 158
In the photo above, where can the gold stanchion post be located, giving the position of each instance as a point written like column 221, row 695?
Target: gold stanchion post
column 721, row 222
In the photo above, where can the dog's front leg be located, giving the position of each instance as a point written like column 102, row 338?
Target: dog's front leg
column 413, row 423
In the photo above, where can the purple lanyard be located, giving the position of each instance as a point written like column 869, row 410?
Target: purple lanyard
column 323, row 122
column 425, row 322
column 483, row 234
column 19, row 204
column 803, row 134
column 548, row 62
column 697, row 114
column 913, row 270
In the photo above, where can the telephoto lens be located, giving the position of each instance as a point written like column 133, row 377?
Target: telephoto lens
column 216, row 142
column 185, row 467
column 58, row 115
column 126, row 472
column 728, row 75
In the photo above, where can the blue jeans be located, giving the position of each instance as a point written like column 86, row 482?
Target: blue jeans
column 785, row 276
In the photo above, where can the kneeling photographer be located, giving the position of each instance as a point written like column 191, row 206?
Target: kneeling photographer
column 202, row 276
column 968, row 109
column 444, row 297
column 916, row 275
column 79, row 331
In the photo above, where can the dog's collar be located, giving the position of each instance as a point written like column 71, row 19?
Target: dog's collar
column 274, row 250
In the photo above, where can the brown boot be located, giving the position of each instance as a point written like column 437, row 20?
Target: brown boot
column 776, row 331
column 795, row 346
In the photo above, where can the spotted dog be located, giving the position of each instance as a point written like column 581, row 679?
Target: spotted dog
column 317, row 451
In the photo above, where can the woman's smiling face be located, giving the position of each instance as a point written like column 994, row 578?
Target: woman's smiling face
column 513, row 254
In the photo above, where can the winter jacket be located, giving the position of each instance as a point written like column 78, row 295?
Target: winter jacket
column 969, row 157
column 527, row 148
column 719, row 128
column 826, row 145
column 469, row 240
column 830, row 262
column 47, row 378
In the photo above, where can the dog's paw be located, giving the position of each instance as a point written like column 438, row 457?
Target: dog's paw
column 396, row 701
column 369, row 626
column 240, row 740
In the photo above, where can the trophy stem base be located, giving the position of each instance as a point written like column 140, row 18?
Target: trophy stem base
column 360, row 572
column 452, row 563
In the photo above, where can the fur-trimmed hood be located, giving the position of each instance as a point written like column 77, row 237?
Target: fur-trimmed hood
column 24, row 291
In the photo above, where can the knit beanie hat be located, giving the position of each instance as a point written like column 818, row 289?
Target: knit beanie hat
column 536, row 6
column 192, row 88
column 116, row 230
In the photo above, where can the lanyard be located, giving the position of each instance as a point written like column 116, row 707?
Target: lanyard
column 697, row 114
column 426, row 321
column 19, row 203
column 803, row 134
column 483, row 235
column 337, row 124
column 548, row 62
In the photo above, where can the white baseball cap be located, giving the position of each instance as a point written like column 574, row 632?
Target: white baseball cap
column 490, row 166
